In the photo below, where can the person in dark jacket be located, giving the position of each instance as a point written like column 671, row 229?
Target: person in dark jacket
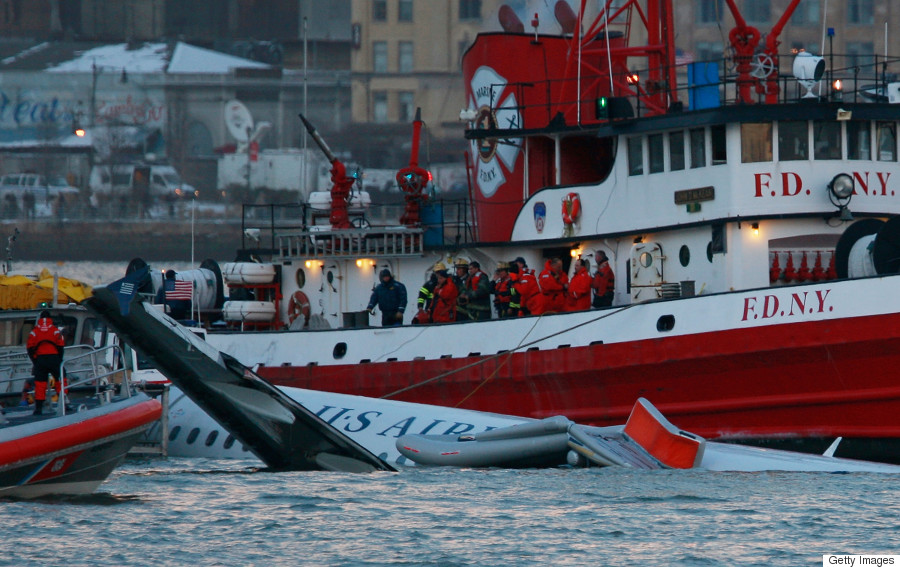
column 45, row 348
column 390, row 296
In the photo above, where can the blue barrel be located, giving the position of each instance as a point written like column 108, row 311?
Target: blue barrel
column 432, row 215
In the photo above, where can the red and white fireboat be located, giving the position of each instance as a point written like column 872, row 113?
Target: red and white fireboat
column 749, row 216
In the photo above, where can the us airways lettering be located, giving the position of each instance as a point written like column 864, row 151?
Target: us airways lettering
column 772, row 306
column 790, row 184
column 353, row 421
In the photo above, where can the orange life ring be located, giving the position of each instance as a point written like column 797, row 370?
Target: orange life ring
column 298, row 305
column 571, row 208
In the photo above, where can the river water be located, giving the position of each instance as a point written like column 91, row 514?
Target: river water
column 203, row 512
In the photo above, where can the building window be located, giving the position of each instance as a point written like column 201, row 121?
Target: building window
column 379, row 106
column 887, row 141
column 656, row 153
column 859, row 140
column 405, row 56
column 861, row 54
column 827, row 139
column 379, row 56
column 757, row 11
column 807, row 13
column 469, row 9
column 405, row 11
column 860, row 12
column 676, row 150
column 635, row 156
column 756, row 142
column 379, row 10
column 406, row 102
column 698, row 148
column 708, row 11
column 793, row 140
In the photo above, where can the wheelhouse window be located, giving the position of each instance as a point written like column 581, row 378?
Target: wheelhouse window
column 793, row 140
column 859, row 140
column 656, row 153
column 635, row 156
column 719, row 149
column 887, row 141
column 756, row 142
column 698, row 148
column 827, row 139
column 676, row 150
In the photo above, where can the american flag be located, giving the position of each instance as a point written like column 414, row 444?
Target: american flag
column 183, row 290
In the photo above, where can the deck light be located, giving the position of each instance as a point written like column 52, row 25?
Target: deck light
column 755, row 227
column 840, row 191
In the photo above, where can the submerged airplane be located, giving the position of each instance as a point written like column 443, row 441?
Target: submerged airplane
column 220, row 408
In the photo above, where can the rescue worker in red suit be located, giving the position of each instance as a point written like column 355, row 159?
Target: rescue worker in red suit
column 45, row 348
column 604, row 282
column 445, row 294
column 578, row 294
column 525, row 293
column 553, row 282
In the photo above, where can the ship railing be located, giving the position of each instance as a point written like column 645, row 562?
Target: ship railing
column 702, row 84
column 16, row 367
column 373, row 241
column 300, row 230
column 99, row 371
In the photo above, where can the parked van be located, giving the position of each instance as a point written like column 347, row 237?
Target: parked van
column 160, row 180
column 35, row 194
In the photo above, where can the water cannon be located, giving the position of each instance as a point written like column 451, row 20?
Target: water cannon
column 342, row 183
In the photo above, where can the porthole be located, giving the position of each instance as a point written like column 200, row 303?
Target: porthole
column 300, row 276
column 174, row 433
column 665, row 323
column 709, row 252
column 646, row 259
column 684, row 255
column 340, row 350
column 192, row 436
column 229, row 441
column 211, row 438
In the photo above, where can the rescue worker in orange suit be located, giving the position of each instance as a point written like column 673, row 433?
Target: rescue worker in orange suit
column 443, row 308
column 476, row 295
column 525, row 292
column 502, row 290
column 578, row 294
column 45, row 348
column 553, row 282
column 604, row 282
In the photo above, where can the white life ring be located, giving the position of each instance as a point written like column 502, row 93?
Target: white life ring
column 298, row 305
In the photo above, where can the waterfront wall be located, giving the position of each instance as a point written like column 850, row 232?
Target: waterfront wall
column 120, row 241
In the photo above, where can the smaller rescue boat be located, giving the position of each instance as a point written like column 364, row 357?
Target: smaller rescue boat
column 81, row 436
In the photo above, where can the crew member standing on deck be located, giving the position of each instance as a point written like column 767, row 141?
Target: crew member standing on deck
column 578, row 294
column 45, row 348
column 445, row 294
column 459, row 280
column 390, row 296
column 502, row 291
column 477, row 293
column 426, row 297
column 604, row 282
column 553, row 282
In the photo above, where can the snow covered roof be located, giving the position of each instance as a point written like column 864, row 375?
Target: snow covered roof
column 187, row 58
column 155, row 58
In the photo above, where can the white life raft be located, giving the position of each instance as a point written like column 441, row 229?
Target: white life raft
column 248, row 273
column 248, row 310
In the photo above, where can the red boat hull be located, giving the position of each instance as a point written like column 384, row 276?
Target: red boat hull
column 802, row 381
